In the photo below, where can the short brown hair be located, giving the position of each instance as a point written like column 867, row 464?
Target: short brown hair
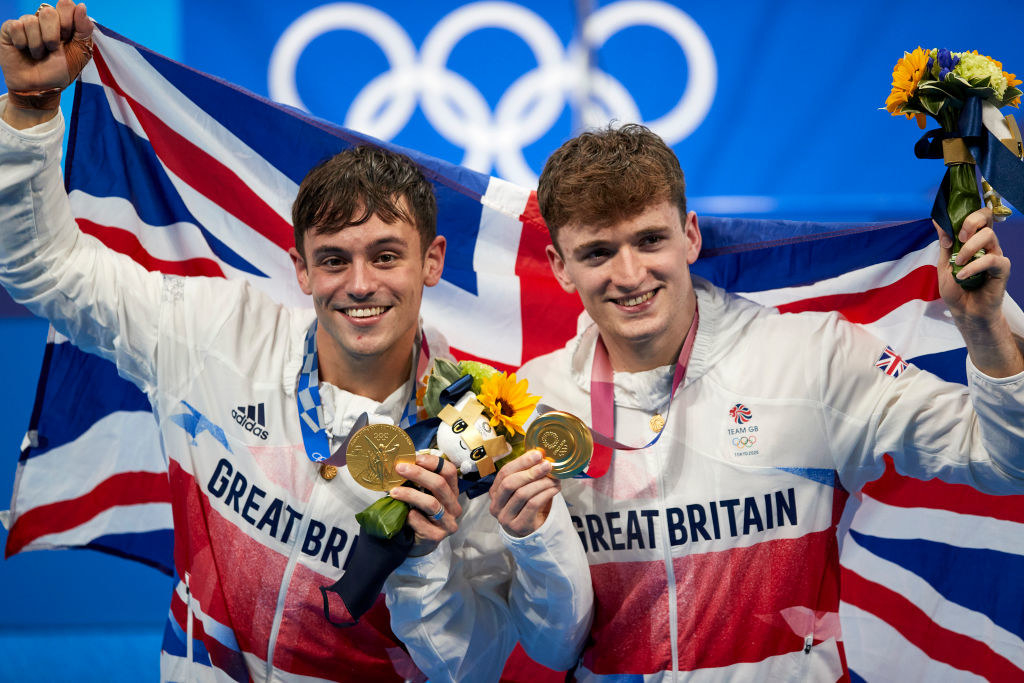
column 604, row 176
column 358, row 183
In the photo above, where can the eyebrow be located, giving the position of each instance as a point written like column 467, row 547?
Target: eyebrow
column 387, row 241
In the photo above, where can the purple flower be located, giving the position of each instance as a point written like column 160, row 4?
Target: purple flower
column 947, row 61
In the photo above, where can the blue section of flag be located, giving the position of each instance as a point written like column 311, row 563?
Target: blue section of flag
column 154, row 548
column 972, row 577
column 80, row 389
column 949, row 365
column 751, row 256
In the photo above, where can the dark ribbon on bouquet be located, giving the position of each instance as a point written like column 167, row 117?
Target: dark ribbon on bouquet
column 373, row 559
column 1003, row 169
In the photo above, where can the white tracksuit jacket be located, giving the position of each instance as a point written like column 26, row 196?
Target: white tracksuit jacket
column 713, row 552
column 257, row 530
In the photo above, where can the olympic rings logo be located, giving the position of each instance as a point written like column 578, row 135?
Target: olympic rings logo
column 529, row 107
column 744, row 441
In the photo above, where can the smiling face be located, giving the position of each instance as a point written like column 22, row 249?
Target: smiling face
column 633, row 278
column 367, row 282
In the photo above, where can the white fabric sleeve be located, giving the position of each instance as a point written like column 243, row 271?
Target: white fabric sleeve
column 461, row 608
column 101, row 300
column 551, row 598
column 970, row 435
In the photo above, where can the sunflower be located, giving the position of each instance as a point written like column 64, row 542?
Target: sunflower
column 905, row 76
column 507, row 401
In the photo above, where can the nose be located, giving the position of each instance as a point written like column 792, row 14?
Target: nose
column 628, row 270
column 361, row 283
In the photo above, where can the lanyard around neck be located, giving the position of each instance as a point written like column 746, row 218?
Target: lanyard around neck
column 310, row 406
column 602, row 401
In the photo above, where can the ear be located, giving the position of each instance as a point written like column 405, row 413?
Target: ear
column 557, row 264
column 691, row 229
column 301, row 273
column 433, row 261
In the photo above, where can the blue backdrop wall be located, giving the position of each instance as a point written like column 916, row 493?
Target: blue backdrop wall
column 773, row 109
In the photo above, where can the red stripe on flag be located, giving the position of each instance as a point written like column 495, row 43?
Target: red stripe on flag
column 892, row 488
column 631, row 633
column 870, row 305
column 127, row 243
column 952, row 648
column 203, row 172
column 128, row 488
column 541, row 297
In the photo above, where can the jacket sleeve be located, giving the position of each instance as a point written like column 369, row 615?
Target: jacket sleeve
column 102, row 301
column 461, row 608
column 969, row 435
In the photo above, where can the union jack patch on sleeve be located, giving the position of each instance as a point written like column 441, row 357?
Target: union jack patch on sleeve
column 890, row 362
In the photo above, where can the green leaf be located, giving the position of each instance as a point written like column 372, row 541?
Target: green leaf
column 383, row 518
column 441, row 376
column 931, row 104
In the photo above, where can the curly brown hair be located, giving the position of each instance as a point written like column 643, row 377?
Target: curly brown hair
column 358, row 183
column 605, row 176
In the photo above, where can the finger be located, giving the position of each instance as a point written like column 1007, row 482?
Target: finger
column 532, row 515
column 49, row 28
column 945, row 242
column 995, row 265
column 33, row 39
column 13, row 33
column 442, row 486
column 502, row 489
column 982, row 218
column 66, row 15
column 427, row 530
column 519, row 500
column 82, row 24
column 983, row 239
column 427, row 506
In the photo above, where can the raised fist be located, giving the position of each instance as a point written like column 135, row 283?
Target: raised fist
column 42, row 54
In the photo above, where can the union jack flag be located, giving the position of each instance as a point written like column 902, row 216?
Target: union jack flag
column 740, row 413
column 890, row 362
column 192, row 176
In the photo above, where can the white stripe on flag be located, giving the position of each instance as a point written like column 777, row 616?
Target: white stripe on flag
column 119, row 442
column 875, row 518
column 120, row 519
column 878, row 652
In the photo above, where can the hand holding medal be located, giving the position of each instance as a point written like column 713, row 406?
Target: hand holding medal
column 477, row 422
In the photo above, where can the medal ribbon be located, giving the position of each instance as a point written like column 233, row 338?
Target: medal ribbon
column 310, row 406
column 602, row 401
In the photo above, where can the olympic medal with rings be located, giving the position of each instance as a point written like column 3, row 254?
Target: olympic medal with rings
column 565, row 440
column 531, row 105
column 372, row 453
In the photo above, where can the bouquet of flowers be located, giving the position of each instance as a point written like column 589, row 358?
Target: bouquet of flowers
column 949, row 86
column 475, row 416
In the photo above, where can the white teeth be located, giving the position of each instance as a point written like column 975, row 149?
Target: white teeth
column 636, row 300
column 365, row 312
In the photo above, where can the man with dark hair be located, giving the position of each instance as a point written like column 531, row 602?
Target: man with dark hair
column 712, row 537
column 252, row 397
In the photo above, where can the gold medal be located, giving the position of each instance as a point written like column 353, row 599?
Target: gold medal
column 657, row 423
column 373, row 452
column 565, row 440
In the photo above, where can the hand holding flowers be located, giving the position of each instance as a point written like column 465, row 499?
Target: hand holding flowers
column 956, row 89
